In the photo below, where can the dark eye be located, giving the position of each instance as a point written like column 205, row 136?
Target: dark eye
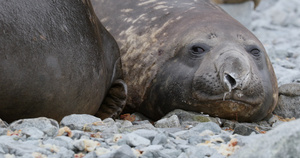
column 255, row 52
column 196, row 50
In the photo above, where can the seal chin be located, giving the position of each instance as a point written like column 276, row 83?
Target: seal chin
column 230, row 109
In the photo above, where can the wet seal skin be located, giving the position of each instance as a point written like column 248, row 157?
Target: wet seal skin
column 57, row 59
column 189, row 55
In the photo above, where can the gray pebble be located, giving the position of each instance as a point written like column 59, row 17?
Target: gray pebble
column 48, row 126
column 160, row 138
column 123, row 152
column 78, row 121
column 148, row 134
column 207, row 126
column 283, row 141
column 242, row 129
column 170, row 122
column 136, row 140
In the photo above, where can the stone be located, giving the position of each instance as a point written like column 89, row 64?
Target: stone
column 148, row 134
column 123, row 152
column 136, row 140
column 207, row 126
column 290, row 89
column 171, row 152
column 202, row 151
column 170, row 122
column 152, row 148
column 145, row 125
column 288, row 105
column 3, row 124
column 32, row 133
column 192, row 117
column 48, row 126
column 11, row 145
column 160, row 138
column 78, row 121
column 61, row 141
column 282, row 141
column 194, row 140
column 243, row 130
column 153, row 151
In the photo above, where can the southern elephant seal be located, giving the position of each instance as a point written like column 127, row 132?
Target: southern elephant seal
column 190, row 55
column 56, row 59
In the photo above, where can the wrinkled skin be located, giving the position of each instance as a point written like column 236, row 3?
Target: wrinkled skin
column 189, row 55
column 56, row 59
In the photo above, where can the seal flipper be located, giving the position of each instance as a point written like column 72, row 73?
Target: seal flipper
column 115, row 100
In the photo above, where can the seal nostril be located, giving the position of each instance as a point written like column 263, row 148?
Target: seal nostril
column 231, row 80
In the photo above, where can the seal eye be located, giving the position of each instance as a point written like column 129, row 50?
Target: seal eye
column 255, row 52
column 197, row 50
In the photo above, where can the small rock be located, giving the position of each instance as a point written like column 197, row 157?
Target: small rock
column 282, row 141
column 32, row 133
column 136, row 140
column 61, row 141
column 244, row 130
column 171, row 152
column 288, row 107
column 207, row 126
column 160, row 139
column 148, row 134
column 48, row 126
column 192, row 117
column 153, row 151
column 3, row 124
column 123, row 152
column 291, row 89
column 170, row 122
column 145, row 125
column 202, row 151
column 78, row 121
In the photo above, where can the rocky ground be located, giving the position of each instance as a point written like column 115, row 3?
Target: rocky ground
column 181, row 134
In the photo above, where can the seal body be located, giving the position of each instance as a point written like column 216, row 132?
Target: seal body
column 55, row 59
column 191, row 55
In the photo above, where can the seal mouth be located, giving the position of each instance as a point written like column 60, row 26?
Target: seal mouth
column 236, row 96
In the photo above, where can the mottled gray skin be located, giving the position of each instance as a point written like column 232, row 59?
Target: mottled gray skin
column 189, row 55
column 56, row 59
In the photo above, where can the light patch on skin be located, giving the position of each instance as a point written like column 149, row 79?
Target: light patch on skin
column 141, row 17
column 161, row 3
column 179, row 17
column 126, row 10
column 128, row 20
column 160, row 7
column 104, row 19
column 154, row 18
column 146, row 2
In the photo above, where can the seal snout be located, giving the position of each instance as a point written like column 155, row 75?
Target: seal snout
column 234, row 72
column 229, row 81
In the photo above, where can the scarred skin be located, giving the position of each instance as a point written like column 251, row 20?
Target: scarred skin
column 189, row 55
column 57, row 59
